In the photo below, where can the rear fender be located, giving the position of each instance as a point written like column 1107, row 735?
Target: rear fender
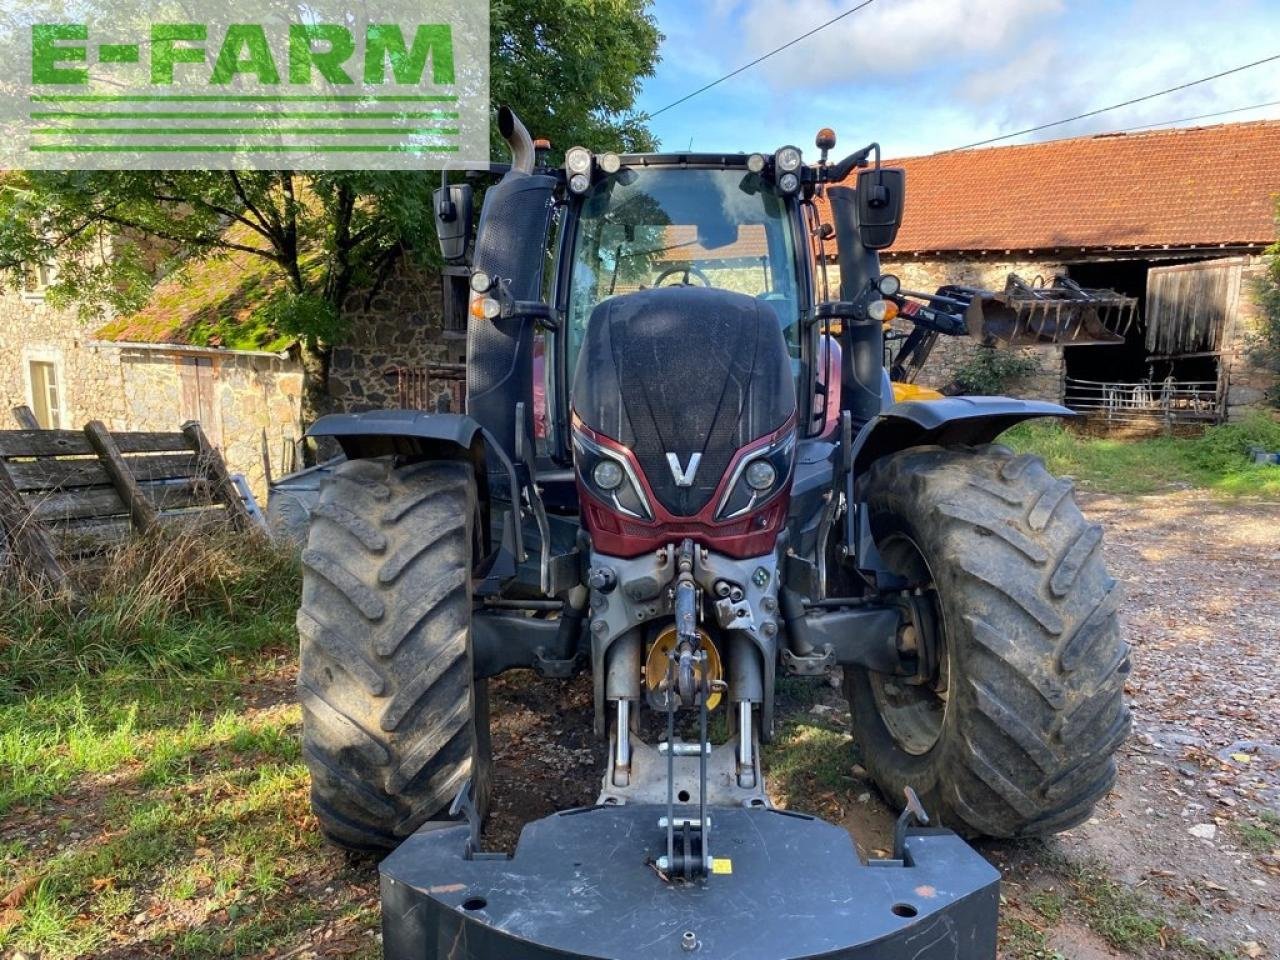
column 431, row 436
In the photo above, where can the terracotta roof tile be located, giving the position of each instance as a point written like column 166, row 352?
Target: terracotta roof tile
column 1198, row 186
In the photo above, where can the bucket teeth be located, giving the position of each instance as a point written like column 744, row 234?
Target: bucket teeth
column 1039, row 314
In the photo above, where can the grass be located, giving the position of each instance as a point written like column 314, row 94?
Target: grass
column 1127, row 919
column 1260, row 835
column 154, row 801
column 1218, row 461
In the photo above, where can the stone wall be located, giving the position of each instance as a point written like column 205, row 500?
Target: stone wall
column 399, row 326
column 952, row 353
column 236, row 396
column 89, row 378
column 1247, row 382
column 239, row 399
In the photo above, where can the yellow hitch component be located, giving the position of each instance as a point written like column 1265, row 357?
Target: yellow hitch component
column 655, row 665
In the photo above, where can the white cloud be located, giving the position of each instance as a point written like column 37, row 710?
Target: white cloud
column 924, row 75
column 903, row 37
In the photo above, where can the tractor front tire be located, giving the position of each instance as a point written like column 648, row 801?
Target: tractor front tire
column 1016, row 736
column 392, row 721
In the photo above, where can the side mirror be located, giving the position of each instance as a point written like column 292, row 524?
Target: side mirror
column 453, row 204
column 881, row 192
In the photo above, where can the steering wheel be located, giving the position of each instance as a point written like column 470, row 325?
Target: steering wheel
column 687, row 270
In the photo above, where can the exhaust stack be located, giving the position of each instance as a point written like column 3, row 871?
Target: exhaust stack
column 518, row 139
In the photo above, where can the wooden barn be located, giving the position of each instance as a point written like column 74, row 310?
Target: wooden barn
column 1178, row 219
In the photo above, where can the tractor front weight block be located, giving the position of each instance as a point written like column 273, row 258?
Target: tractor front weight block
column 581, row 884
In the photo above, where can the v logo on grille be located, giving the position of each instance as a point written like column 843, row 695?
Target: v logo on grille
column 684, row 476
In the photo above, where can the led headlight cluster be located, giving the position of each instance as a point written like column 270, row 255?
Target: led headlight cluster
column 786, row 169
column 757, row 478
column 610, row 477
column 577, row 167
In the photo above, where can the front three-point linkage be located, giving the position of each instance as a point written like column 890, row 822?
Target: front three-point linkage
column 687, row 683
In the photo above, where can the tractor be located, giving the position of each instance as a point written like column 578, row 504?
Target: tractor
column 682, row 467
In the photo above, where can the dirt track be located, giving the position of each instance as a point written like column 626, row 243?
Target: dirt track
column 1173, row 863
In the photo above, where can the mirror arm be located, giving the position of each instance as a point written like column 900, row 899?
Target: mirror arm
column 838, row 173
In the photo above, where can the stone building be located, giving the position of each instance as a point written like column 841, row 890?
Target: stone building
column 196, row 352
column 1177, row 218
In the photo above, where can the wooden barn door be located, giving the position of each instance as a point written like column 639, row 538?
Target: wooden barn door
column 1191, row 310
column 198, row 376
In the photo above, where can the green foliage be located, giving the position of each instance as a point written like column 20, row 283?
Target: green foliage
column 570, row 68
column 1218, row 461
column 302, row 315
column 991, row 370
column 1264, row 350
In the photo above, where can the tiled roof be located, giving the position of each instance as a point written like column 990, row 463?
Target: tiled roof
column 209, row 302
column 1190, row 187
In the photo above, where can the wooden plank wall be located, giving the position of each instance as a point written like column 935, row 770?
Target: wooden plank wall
column 1188, row 305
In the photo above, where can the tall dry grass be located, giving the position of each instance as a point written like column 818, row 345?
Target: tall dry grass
column 171, row 601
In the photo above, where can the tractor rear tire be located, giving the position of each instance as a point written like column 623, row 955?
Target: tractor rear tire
column 1028, row 708
column 392, row 721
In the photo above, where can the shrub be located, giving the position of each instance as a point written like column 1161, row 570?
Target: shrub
column 992, row 369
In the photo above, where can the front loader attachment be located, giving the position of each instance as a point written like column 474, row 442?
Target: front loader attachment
column 1037, row 314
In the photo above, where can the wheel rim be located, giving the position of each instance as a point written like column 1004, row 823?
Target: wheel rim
column 915, row 713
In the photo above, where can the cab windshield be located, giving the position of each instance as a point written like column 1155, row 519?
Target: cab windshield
column 663, row 226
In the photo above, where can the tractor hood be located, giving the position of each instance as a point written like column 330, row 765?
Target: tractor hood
column 685, row 377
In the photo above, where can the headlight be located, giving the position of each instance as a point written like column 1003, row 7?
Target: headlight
column 787, row 160
column 758, row 479
column 579, row 183
column 577, row 160
column 755, row 163
column 481, row 282
column 788, row 183
column 608, row 475
column 760, row 475
column 888, row 285
column 610, row 163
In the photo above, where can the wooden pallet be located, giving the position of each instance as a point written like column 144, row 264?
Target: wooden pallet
column 68, row 493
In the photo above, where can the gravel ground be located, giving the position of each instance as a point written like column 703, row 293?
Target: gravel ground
column 1203, row 764
column 1203, row 615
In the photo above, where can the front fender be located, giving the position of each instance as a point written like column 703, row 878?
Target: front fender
column 380, row 433
column 952, row 420
column 434, row 436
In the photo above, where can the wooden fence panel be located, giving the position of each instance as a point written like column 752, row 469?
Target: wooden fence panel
column 66, row 494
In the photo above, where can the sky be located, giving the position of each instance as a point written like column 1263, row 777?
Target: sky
column 925, row 75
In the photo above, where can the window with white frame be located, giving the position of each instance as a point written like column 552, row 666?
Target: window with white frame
column 45, row 388
column 37, row 277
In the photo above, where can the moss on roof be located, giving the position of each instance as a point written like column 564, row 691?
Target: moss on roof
column 214, row 301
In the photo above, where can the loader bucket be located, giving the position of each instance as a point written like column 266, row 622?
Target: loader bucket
column 1037, row 314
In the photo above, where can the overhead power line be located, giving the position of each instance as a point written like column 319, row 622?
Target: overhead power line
column 1200, row 116
column 1117, row 106
column 757, row 60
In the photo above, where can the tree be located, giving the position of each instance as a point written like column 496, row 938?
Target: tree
column 1265, row 347
column 570, row 68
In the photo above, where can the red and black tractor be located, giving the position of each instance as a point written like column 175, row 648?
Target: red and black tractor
column 682, row 467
